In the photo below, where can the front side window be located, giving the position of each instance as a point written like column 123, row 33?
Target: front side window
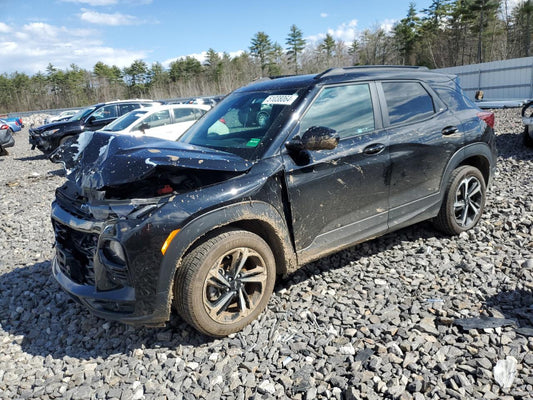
column 105, row 112
column 159, row 118
column 407, row 102
column 347, row 109
column 244, row 123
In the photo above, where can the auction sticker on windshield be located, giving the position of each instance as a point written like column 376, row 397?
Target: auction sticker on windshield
column 284, row 99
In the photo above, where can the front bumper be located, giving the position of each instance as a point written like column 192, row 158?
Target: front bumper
column 78, row 271
column 37, row 140
column 117, row 305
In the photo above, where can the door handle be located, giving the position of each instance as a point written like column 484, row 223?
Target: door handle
column 374, row 148
column 449, row 130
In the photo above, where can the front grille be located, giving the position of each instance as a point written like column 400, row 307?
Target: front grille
column 75, row 253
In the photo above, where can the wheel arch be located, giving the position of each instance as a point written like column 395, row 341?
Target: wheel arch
column 255, row 216
column 478, row 155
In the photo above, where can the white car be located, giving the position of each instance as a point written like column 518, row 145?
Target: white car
column 166, row 121
column 63, row 116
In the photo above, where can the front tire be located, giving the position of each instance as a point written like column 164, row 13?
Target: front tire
column 225, row 282
column 464, row 201
column 528, row 141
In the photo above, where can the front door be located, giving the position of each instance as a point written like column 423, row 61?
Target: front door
column 338, row 197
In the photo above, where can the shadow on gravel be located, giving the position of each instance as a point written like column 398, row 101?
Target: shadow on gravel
column 45, row 321
column 510, row 145
column 32, row 158
column 516, row 305
column 57, row 172
column 343, row 258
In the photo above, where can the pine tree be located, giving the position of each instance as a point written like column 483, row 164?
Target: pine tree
column 296, row 44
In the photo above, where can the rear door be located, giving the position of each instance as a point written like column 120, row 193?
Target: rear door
column 339, row 196
column 423, row 137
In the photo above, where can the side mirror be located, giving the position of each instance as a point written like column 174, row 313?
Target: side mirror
column 315, row 138
column 90, row 120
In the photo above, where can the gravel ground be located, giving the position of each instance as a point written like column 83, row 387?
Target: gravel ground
column 402, row 316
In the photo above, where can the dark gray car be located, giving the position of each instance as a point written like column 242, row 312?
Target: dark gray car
column 208, row 222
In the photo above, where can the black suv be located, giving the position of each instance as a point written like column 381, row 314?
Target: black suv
column 281, row 172
column 48, row 137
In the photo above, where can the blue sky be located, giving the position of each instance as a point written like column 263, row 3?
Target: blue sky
column 34, row 33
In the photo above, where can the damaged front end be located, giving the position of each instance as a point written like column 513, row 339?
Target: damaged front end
column 119, row 204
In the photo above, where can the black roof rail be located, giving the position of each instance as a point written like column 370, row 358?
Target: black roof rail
column 343, row 70
column 281, row 76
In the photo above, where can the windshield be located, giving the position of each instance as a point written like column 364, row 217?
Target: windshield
column 82, row 113
column 243, row 123
column 125, row 121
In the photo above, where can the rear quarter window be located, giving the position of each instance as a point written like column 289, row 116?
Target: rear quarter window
column 407, row 102
column 455, row 100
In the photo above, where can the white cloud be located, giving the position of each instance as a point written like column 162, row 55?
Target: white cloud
column 323, row 15
column 346, row 32
column 387, row 25
column 116, row 19
column 31, row 47
column 200, row 57
column 4, row 28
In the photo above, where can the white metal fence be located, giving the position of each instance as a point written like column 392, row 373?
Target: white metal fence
column 499, row 80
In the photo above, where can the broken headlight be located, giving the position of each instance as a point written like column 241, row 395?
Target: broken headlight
column 114, row 252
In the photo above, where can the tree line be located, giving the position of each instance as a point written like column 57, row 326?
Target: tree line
column 447, row 33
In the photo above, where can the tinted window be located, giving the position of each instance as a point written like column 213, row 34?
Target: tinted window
column 124, row 108
column 407, row 101
column 105, row 112
column 453, row 99
column 347, row 109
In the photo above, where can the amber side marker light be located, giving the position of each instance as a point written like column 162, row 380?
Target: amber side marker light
column 168, row 241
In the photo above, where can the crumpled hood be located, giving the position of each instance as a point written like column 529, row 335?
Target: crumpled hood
column 96, row 160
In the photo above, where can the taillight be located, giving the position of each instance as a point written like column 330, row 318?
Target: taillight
column 487, row 116
column 4, row 127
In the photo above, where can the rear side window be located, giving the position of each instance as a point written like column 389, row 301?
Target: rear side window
column 184, row 114
column 347, row 109
column 407, row 102
column 124, row 108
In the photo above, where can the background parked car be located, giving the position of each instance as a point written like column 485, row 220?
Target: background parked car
column 14, row 123
column 165, row 122
column 6, row 137
column 63, row 116
column 48, row 137
column 527, row 119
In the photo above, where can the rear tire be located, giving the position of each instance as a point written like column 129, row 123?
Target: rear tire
column 225, row 282
column 463, row 202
